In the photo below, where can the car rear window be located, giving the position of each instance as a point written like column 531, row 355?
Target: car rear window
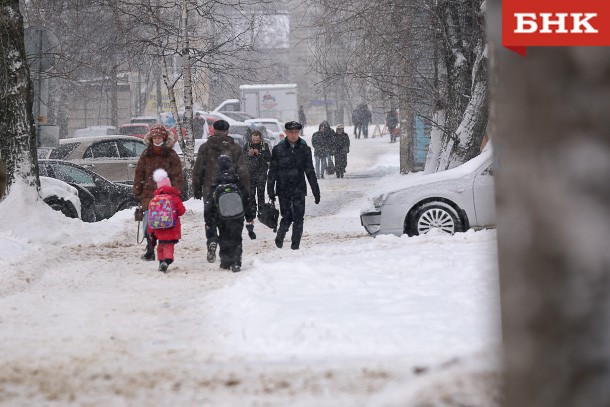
column 130, row 149
column 63, row 151
column 104, row 149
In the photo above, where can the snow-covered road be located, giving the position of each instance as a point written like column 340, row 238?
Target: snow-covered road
column 84, row 321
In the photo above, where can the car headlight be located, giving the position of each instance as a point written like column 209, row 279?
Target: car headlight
column 378, row 200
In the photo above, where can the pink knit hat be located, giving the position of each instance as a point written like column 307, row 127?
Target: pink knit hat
column 161, row 178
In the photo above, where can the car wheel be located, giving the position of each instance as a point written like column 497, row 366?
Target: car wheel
column 63, row 206
column 435, row 215
column 126, row 205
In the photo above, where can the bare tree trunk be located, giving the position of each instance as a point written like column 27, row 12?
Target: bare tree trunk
column 114, row 98
column 187, row 145
column 17, row 131
column 551, row 136
column 159, row 97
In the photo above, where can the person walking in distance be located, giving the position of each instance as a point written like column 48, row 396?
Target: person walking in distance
column 302, row 119
column 258, row 156
column 391, row 121
column 320, row 141
column 158, row 154
column 341, row 148
column 291, row 163
column 206, row 170
column 198, row 126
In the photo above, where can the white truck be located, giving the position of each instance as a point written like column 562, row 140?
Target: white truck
column 278, row 101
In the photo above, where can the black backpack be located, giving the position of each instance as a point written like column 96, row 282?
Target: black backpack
column 229, row 202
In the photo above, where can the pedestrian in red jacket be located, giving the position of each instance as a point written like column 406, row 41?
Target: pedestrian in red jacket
column 168, row 237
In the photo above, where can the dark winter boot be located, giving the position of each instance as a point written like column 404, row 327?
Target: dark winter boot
column 149, row 255
column 251, row 233
column 294, row 246
column 212, row 252
column 236, row 265
column 279, row 238
column 163, row 266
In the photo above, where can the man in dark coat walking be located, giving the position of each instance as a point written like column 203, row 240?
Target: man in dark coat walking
column 258, row 157
column 291, row 162
column 206, row 170
column 340, row 149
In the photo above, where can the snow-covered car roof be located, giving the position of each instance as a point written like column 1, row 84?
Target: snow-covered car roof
column 94, row 131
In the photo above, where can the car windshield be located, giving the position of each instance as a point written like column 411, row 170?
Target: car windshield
column 63, row 151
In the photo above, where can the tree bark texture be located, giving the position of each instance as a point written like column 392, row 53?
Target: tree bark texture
column 551, row 135
column 17, row 131
column 464, row 92
column 188, row 144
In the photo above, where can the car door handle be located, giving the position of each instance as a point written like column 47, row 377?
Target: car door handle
column 131, row 165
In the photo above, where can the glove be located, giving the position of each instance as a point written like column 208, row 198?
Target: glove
column 317, row 199
column 251, row 233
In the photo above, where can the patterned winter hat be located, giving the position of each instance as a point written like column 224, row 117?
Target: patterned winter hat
column 161, row 178
column 158, row 129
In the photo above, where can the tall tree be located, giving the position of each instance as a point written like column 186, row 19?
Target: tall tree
column 425, row 57
column 17, row 132
column 551, row 132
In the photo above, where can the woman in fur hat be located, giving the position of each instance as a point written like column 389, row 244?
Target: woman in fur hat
column 158, row 154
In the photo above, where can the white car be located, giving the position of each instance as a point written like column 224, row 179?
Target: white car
column 60, row 196
column 451, row 201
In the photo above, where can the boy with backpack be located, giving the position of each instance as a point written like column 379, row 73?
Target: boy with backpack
column 226, row 207
column 164, row 211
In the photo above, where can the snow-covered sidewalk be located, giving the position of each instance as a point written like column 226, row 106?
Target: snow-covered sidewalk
column 85, row 321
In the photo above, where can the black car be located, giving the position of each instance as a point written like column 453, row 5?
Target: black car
column 100, row 198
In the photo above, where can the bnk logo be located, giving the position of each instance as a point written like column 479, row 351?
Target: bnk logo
column 530, row 23
column 548, row 23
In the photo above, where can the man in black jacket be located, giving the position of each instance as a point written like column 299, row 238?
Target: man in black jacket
column 290, row 163
column 258, row 157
